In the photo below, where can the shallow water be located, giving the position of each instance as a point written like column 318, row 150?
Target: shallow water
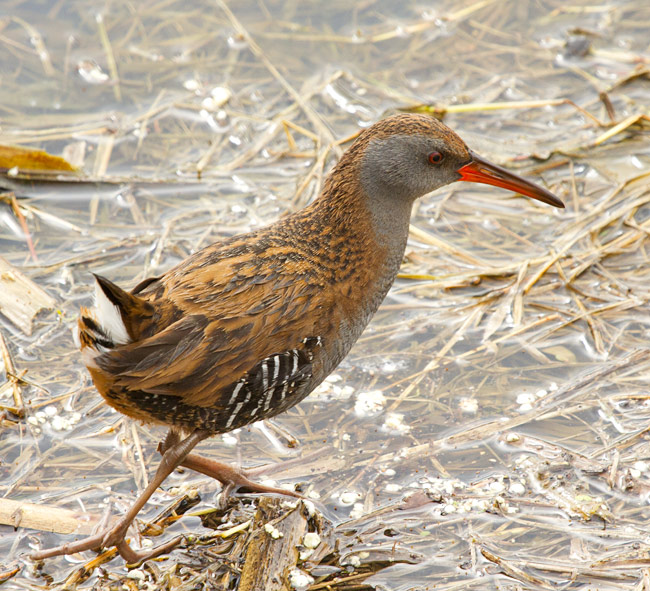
column 506, row 373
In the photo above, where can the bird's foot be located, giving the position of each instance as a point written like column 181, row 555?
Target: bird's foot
column 231, row 478
column 175, row 451
column 111, row 537
column 240, row 482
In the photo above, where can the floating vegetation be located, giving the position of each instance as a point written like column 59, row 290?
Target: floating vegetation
column 490, row 428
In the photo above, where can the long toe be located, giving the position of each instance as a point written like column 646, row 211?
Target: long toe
column 241, row 483
column 134, row 557
column 107, row 539
column 93, row 542
column 231, row 478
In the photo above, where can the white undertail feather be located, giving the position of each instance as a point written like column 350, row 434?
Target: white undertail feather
column 88, row 354
column 75, row 335
column 109, row 318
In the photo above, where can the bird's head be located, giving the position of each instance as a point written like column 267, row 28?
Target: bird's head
column 407, row 156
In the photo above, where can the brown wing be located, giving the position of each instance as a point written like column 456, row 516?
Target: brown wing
column 218, row 316
column 274, row 385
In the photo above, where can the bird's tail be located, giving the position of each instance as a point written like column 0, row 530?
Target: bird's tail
column 110, row 322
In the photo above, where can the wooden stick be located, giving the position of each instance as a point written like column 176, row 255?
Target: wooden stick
column 45, row 518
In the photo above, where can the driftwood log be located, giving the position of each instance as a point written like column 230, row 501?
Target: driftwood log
column 273, row 551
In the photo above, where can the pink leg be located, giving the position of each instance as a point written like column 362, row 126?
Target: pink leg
column 230, row 477
column 115, row 536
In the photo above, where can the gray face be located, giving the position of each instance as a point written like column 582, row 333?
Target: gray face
column 398, row 167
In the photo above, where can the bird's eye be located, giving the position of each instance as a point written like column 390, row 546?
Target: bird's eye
column 435, row 158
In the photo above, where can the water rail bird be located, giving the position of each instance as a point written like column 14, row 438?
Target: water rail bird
column 245, row 328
